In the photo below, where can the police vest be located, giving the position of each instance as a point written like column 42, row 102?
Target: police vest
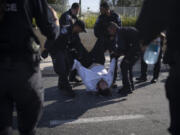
column 16, row 34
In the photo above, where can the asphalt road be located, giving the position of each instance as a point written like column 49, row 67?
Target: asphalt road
column 145, row 112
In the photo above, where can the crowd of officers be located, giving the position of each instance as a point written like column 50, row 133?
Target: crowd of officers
column 111, row 36
column 19, row 57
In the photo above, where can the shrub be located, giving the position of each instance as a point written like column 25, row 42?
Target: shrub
column 90, row 21
column 129, row 21
column 126, row 21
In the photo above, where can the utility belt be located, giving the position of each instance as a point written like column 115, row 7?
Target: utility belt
column 29, row 53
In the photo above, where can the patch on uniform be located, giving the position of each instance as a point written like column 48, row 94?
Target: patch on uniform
column 68, row 17
column 64, row 30
column 11, row 7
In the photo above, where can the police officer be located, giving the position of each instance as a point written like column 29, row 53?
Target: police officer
column 68, row 19
column 19, row 62
column 61, row 53
column 100, row 30
column 157, row 66
column 164, row 16
column 126, row 44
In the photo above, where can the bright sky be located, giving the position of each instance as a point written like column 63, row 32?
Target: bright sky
column 92, row 4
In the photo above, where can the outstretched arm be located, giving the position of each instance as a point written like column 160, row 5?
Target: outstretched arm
column 88, row 77
column 110, row 74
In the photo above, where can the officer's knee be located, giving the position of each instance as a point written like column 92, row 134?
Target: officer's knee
column 5, row 131
column 124, row 65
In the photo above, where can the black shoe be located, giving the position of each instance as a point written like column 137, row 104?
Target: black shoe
column 141, row 79
column 114, row 86
column 132, row 87
column 68, row 92
column 125, row 91
column 154, row 80
column 75, row 80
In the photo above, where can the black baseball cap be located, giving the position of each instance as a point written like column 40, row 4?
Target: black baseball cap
column 105, row 5
column 81, row 24
column 75, row 5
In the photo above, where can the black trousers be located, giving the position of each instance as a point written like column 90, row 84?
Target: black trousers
column 100, row 47
column 129, row 60
column 83, row 56
column 20, row 87
column 172, row 92
column 62, row 62
column 156, row 70
column 97, row 53
column 116, row 67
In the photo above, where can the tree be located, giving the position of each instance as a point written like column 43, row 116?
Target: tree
column 59, row 5
column 124, row 3
column 127, row 3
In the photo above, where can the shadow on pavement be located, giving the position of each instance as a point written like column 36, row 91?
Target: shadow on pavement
column 58, row 107
column 141, row 85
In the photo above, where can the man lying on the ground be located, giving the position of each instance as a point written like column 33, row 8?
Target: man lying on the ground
column 96, row 78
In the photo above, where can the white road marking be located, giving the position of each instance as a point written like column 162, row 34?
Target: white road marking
column 95, row 119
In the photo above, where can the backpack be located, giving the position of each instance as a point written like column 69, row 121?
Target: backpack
column 2, row 9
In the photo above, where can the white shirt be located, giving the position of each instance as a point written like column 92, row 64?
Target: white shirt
column 94, row 74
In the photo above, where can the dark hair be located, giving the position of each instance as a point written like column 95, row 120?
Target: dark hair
column 105, row 5
column 75, row 5
column 112, row 25
column 105, row 92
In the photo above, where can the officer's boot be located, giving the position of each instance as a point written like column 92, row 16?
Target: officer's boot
column 154, row 80
column 141, row 79
column 125, row 90
column 65, row 87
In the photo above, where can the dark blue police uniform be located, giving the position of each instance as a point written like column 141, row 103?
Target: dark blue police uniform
column 150, row 23
column 103, row 43
column 100, row 30
column 19, row 63
column 128, row 46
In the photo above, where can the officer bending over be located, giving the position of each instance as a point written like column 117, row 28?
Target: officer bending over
column 19, row 62
column 126, row 44
column 100, row 30
column 61, row 53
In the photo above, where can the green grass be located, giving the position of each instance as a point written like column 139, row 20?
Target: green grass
column 90, row 20
column 129, row 21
